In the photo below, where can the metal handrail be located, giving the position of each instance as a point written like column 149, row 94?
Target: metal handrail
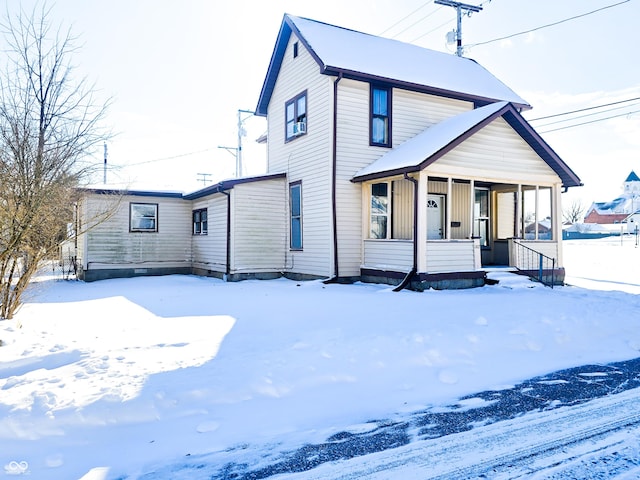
column 534, row 264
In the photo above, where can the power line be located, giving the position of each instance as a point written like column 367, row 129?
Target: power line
column 431, row 31
column 585, row 109
column 168, row 158
column 592, row 121
column 405, row 17
column 587, row 115
column 548, row 25
column 418, row 21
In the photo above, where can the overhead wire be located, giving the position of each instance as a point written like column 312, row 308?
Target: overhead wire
column 584, row 109
column 592, row 121
column 406, row 16
column 547, row 25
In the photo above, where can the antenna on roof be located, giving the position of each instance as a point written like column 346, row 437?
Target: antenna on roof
column 468, row 9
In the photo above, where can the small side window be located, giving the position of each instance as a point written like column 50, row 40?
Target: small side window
column 200, row 224
column 296, row 117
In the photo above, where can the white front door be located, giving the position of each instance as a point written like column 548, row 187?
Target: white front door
column 435, row 211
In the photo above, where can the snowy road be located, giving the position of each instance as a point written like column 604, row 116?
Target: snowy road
column 597, row 439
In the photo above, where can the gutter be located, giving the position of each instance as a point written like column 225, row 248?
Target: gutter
column 334, row 164
column 414, row 269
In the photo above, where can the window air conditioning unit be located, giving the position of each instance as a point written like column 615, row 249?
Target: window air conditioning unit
column 299, row 128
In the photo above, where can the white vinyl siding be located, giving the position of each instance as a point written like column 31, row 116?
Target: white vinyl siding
column 531, row 262
column 110, row 244
column 209, row 251
column 495, row 154
column 452, row 256
column 391, row 255
column 259, row 230
column 307, row 158
column 411, row 113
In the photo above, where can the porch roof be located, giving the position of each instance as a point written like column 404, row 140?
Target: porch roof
column 431, row 144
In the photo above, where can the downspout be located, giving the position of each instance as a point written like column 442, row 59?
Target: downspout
column 407, row 278
column 228, row 247
column 334, row 164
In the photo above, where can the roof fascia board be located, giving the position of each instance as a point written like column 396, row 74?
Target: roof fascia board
column 413, row 87
column 229, row 184
column 274, row 67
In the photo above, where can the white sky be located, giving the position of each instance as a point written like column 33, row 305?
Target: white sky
column 179, row 72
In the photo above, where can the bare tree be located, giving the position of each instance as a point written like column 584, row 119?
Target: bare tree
column 574, row 213
column 49, row 123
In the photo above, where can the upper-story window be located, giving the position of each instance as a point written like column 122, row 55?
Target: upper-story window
column 296, row 117
column 380, row 116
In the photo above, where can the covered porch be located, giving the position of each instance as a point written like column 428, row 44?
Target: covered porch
column 445, row 231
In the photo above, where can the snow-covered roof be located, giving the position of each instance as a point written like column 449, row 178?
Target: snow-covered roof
column 624, row 204
column 428, row 146
column 359, row 55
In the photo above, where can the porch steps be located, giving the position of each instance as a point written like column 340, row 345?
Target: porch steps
column 506, row 277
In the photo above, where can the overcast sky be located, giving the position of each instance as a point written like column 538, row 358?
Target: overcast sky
column 179, row 71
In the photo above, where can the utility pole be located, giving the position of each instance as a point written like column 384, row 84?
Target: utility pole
column 241, row 133
column 237, row 151
column 468, row 9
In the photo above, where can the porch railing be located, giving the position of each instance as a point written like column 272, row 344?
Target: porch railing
column 534, row 264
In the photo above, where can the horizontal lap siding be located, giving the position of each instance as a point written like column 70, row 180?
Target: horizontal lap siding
column 306, row 158
column 210, row 250
column 393, row 255
column 111, row 245
column 259, row 226
column 411, row 113
column 446, row 256
column 548, row 248
column 496, row 153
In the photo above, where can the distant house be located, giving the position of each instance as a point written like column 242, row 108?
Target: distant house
column 387, row 162
column 617, row 210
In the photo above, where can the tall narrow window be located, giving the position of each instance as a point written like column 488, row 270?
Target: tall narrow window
column 481, row 216
column 296, row 117
column 379, row 210
column 380, row 113
column 295, row 206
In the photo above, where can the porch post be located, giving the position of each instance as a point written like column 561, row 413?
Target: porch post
column 536, row 217
column 556, row 219
column 472, row 204
column 447, row 213
column 421, row 234
column 518, row 231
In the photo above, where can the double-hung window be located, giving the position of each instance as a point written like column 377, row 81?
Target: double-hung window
column 391, row 210
column 295, row 208
column 200, row 224
column 380, row 116
column 296, row 117
column 143, row 217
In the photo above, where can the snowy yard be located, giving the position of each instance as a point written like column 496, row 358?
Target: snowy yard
column 116, row 379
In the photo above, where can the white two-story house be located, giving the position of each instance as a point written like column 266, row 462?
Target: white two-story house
column 387, row 162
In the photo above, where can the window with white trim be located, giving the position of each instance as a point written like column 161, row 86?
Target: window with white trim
column 200, row 223
column 143, row 217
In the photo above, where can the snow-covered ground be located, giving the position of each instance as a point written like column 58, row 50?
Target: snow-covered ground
column 116, row 379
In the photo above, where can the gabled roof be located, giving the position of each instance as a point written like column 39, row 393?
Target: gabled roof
column 367, row 57
column 431, row 144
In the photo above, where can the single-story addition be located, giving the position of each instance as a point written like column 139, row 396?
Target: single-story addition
column 386, row 162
